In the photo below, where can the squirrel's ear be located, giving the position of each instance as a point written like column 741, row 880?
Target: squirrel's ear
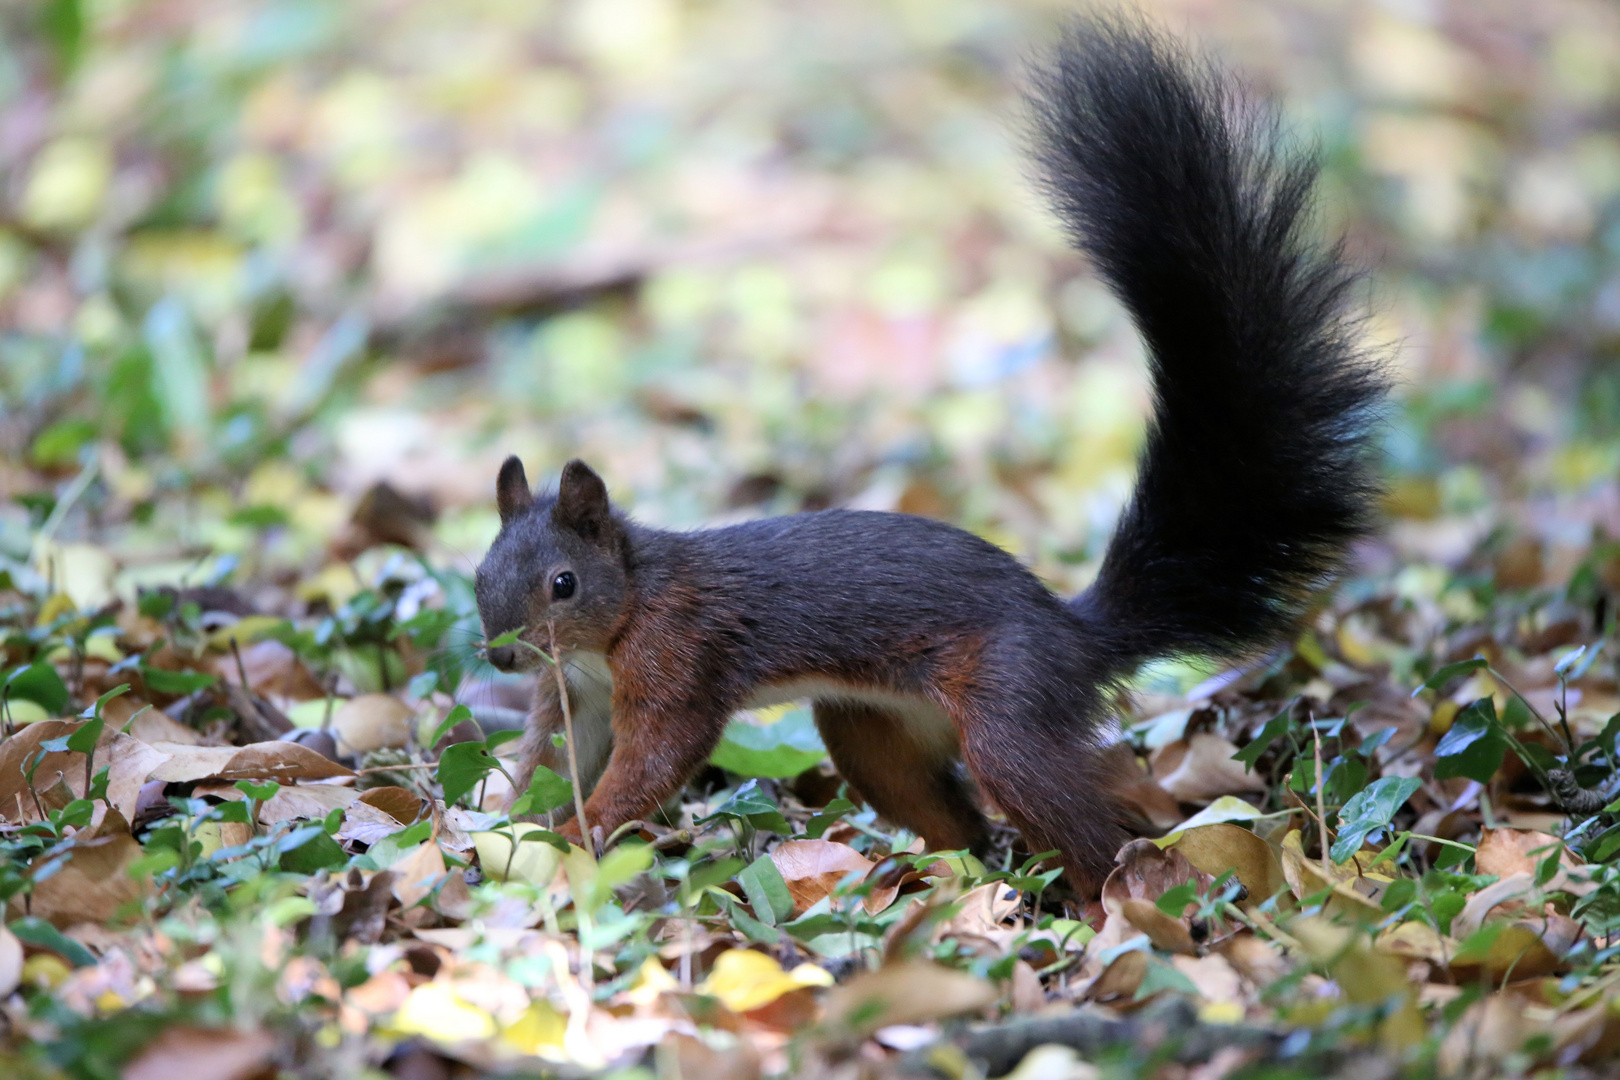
column 582, row 502
column 512, row 494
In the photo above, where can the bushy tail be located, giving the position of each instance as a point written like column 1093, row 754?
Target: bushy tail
column 1256, row 475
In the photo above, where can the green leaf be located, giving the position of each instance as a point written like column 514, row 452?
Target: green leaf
column 258, row 792
column 1173, row 902
column 84, row 740
column 547, row 791
column 774, row 751
column 1452, row 671
column 1372, row 809
column 1275, row 729
column 39, row 683
column 829, row 816
column 461, row 767
column 455, row 716
column 59, row 444
column 63, row 24
column 315, row 853
column 766, row 890
column 35, row 931
column 505, row 639
column 748, row 803
column 1473, row 747
column 176, row 682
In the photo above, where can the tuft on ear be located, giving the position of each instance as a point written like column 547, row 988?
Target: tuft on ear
column 512, row 494
column 582, row 502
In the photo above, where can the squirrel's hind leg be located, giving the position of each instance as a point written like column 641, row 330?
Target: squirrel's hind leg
column 903, row 778
column 1044, row 771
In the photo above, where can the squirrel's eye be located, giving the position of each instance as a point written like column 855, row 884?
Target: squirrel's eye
column 562, row 586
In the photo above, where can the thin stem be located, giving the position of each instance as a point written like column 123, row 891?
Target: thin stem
column 1321, row 802
column 568, row 729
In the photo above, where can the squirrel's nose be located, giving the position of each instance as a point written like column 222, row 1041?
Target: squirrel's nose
column 503, row 657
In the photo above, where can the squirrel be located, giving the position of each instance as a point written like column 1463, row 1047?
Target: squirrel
column 922, row 646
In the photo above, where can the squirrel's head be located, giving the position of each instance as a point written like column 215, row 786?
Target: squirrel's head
column 558, row 564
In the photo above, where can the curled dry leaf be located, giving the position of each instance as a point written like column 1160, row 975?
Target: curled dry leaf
column 1214, row 849
column 1200, row 768
column 1506, row 852
column 812, row 869
column 909, row 992
column 365, row 824
column 94, row 884
column 277, row 760
column 129, row 762
column 1166, row 932
column 1121, row 979
column 401, row 805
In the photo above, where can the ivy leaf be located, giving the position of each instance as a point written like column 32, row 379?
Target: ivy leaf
column 748, row 803
column 1473, row 747
column 455, row 716
column 461, row 767
column 547, row 791
column 1275, row 729
column 1451, row 671
column 1370, row 810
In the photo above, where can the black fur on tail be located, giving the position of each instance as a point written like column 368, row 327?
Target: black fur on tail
column 1257, row 472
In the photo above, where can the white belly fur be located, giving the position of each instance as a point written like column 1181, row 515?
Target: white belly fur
column 590, row 692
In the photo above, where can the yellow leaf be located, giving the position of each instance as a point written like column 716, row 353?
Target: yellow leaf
column 743, row 979
column 540, row 1030
column 651, row 980
column 435, row 1011
column 68, row 181
column 535, row 861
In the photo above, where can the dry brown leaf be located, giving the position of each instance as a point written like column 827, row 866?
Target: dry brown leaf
column 1215, row 978
column 909, row 992
column 129, row 762
column 372, row 722
column 417, row 873
column 1487, row 1032
column 205, row 1054
column 1121, row 979
column 814, row 868
column 292, row 802
column 1200, row 768
column 150, row 724
column 273, row 670
column 1258, row 961
column 1026, row 993
column 1214, row 849
column 401, row 805
column 1167, row 933
column 93, row 884
column 366, row 824
column 1506, row 852
column 280, row 761
column 981, row 912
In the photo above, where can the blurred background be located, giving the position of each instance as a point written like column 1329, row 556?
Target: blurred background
column 282, row 281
